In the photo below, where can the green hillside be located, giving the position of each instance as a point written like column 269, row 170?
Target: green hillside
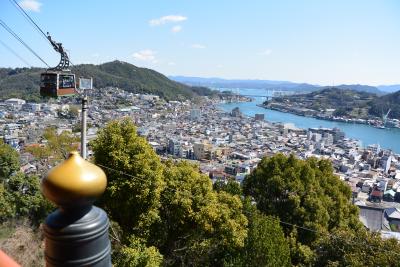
column 381, row 105
column 24, row 82
column 349, row 103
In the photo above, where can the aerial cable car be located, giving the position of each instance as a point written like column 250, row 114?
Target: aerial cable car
column 58, row 81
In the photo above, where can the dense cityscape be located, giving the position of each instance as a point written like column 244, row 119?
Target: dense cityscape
column 225, row 145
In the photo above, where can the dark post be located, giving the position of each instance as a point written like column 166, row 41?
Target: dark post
column 76, row 234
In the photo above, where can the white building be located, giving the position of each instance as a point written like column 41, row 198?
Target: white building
column 15, row 103
column 149, row 97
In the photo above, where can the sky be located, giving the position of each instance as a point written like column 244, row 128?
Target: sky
column 321, row 42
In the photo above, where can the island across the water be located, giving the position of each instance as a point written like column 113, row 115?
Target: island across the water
column 342, row 105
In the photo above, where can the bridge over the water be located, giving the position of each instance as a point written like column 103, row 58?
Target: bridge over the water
column 268, row 94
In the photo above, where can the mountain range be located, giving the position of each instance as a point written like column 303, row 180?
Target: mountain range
column 279, row 85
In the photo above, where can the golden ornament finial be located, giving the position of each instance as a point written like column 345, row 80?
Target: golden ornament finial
column 74, row 182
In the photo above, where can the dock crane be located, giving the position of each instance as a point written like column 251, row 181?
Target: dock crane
column 384, row 117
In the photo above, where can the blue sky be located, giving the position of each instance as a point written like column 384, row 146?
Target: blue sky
column 321, row 42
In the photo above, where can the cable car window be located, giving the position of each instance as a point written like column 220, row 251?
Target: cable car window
column 49, row 78
column 66, row 81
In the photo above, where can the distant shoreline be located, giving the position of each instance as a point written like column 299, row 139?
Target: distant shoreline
column 372, row 123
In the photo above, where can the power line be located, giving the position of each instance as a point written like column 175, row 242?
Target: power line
column 28, row 18
column 338, row 237
column 15, row 53
column 135, row 177
column 2, row 23
column 282, row 222
column 34, row 24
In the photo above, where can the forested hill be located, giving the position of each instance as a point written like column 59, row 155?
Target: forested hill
column 24, row 82
column 386, row 102
column 345, row 102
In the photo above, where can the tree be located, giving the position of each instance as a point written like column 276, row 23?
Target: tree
column 39, row 152
column 137, row 255
column 9, row 164
column 361, row 248
column 168, row 206
column 231, row 186
column 198, row 225
column 26, row 196
column 20, row 195
column 300, row 255
column 60, row 144
column 265, row 244
column 9, row 161
column 134, row 174
column 57, row 147
column 304, row 193
column 7, row 208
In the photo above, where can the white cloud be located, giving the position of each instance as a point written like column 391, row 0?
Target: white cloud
column 266, row 52
column 198, row 46
column 167, row 19
column 176, row 28
column 171, row 63
column 30, row 5
column 145, row 55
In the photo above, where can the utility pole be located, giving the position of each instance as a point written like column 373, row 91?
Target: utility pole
column 83, row 126
column 84, row 84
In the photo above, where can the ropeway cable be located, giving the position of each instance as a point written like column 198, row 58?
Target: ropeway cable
column 4, row 25
column 28, row 18
column 15, row 53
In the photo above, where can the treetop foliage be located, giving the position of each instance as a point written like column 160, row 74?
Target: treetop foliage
column 302, row 192
column 20, row 194
column 133, row 200
column 56, row 148
column 168, row 205
column 9, row 161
